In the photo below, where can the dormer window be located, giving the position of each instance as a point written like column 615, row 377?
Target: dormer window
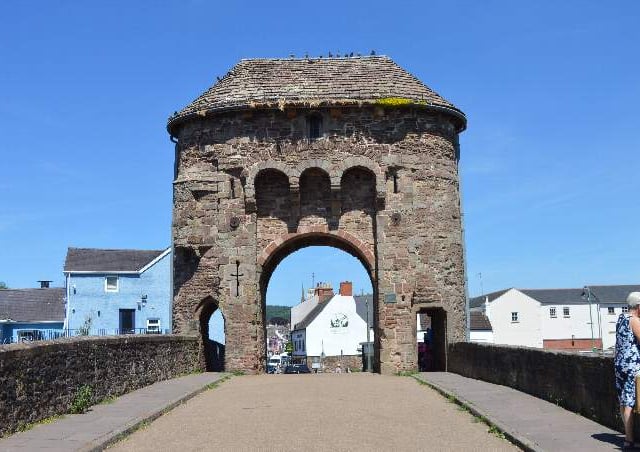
column 314, row 127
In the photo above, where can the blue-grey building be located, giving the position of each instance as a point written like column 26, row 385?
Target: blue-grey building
column 118, row 291
column 31, row 314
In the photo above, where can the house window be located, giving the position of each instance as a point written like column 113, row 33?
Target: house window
column 625, row 309
column 514, row 316
column 29, row 335
column 111, row 284
column 552, row 313
column 314, row 126
column 153, row 326
column 565, row 312
column 611, row 310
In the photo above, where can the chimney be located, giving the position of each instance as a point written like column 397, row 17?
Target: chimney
column 44, row 284
column 324, row 291
column 346, row 288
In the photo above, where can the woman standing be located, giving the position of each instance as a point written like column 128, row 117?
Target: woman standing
column 627, row 365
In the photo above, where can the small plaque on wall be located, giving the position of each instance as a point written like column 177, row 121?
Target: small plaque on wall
column 389, row 298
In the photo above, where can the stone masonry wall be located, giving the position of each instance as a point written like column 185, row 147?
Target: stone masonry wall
column 40, row 379
column 584, row 384
column 381, row 182
column 331, row 363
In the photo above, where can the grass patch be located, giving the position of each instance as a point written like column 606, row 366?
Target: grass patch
column 406, row 373
column 237, row 373
column 24, row 427
column 215, row 384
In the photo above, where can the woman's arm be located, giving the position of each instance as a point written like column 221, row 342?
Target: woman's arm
column 635, row 327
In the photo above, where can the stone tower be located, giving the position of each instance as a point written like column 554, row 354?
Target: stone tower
column 352, row 152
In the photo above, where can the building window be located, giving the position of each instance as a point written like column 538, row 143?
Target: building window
column 552, row 313
column 625, row 309
column 565, row 312
column 514, row 316
column 111, row 284
column 611, row 310
column 29, row 335
column 314, row 127
column 153, row 326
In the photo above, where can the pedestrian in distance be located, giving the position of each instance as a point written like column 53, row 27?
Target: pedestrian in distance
column 627, row 365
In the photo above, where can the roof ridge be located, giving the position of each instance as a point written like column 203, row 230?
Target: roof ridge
column 316, row 58
column 554, row 288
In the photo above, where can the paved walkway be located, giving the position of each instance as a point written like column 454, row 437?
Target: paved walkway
column 316, row 412
column 104, row 424
column 532, row 422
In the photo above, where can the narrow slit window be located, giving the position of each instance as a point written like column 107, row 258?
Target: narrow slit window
column 315, row 127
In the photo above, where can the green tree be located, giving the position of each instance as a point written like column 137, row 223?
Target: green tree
column 3, row 285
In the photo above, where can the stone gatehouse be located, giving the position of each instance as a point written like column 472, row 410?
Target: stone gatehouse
column 354, row 153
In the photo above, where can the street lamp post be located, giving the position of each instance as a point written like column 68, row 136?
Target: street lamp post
column 587, row 291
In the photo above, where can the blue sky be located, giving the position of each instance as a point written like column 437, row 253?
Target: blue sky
column 549, row 162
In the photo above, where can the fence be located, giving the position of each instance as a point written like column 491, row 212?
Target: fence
column 32, row 335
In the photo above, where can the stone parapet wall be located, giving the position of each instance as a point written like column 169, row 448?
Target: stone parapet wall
column 351, row 362
column 40, row 379
column 581, row 383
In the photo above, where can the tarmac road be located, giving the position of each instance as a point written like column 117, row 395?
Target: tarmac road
column 336, row 412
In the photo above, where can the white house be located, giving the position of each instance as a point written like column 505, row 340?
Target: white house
column 611, row 301
column 564, row 319
column 333, row 330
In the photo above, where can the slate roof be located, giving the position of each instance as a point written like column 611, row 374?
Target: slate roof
column 311, row 316
column 274, row 83
column 32, row 305
column 361, row 307
column 603, row 294
column 555, row 296
column 101, row 260
column 478, row 301
column 479, row 322
column 613, row 294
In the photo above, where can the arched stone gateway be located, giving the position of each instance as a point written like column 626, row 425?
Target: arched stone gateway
column 281, row 154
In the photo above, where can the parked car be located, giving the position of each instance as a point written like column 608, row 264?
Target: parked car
column 297, row 369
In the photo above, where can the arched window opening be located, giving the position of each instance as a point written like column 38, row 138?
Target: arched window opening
column 272, row 194
column 315, row 193
column 358, row 190
column 328, row 312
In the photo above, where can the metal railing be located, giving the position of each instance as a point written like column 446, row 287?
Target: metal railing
column 32, row 335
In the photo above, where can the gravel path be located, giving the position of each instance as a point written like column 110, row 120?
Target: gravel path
column 316, row 412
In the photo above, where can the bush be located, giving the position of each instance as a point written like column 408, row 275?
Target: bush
column 82, row 400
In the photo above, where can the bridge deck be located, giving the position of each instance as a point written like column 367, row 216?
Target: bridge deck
column 319, row 412
column 532, row 422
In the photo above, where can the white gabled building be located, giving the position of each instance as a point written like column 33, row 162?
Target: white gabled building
column 561, row 319
column 335, row 328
